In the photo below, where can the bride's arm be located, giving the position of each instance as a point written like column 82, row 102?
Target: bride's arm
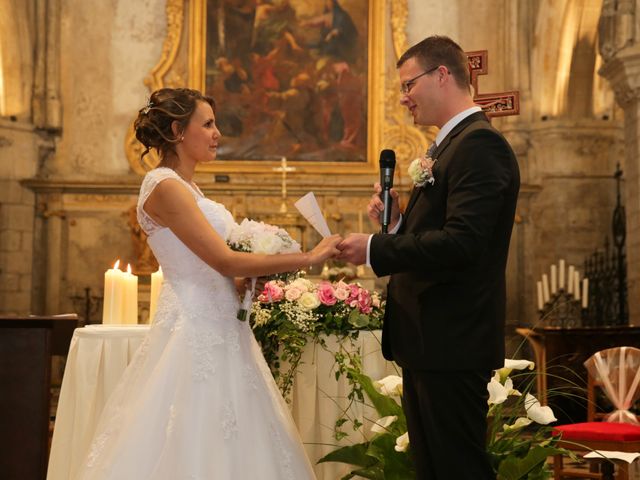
column 173, row 206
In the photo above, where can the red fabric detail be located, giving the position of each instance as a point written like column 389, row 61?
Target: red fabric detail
column 620, row 432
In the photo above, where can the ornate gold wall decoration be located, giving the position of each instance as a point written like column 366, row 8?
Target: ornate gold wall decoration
column 407, row 140
column 155, row 80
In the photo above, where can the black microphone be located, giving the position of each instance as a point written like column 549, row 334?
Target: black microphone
column 387, row 165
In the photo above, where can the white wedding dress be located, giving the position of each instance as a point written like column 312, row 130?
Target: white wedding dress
column 198, row 400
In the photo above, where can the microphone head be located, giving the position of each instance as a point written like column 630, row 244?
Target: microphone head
column 387, row 159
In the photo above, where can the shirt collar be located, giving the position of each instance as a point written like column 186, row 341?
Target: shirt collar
column 453, row 121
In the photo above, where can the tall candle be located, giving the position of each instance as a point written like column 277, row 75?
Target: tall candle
column 545, row 287
column 156, row 284
column 561, row 273
column 554, row 279
column 113, row 295
column 130, row 309
column 576, row 285
column 570, row 280
column 585, row 292
column 540, row 297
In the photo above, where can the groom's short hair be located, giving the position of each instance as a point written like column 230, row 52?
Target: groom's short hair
column 440, row 50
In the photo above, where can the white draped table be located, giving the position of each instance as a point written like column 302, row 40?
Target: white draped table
column 99, row 354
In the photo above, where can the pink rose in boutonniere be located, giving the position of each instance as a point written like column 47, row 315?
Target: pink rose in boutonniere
column 421, row 171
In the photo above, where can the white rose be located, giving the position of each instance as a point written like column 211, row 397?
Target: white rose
column 309, row 301
column 267, row 244
column 402, row 443
column 303, row 284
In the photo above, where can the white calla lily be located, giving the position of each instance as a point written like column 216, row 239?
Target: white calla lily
column 538, row 413
column 518, row 364
column 391, row 386
column 382, row 425
column 521, row 422
column 402, row 443
column 497, row 392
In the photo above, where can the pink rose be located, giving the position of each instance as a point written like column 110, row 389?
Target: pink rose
column 292, row 293
column 326, row 294
column 272, row 292
column 364, row 301
column 354, row 292
column 341, row 291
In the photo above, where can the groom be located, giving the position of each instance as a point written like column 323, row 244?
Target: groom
column 447, row 254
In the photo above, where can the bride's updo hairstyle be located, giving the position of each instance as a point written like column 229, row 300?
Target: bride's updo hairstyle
column 165, row 106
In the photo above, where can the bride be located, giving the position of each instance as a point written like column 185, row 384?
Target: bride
column 197, row 400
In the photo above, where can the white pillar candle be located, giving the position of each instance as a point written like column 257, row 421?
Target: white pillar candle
column 156, row 284
column 554, row 279
column 561, row 272
column 585, row 292
column 540, row 296
column 130, row 310
column 113, row 295
column 576, row 285
column 570, row 280
column 545, row 288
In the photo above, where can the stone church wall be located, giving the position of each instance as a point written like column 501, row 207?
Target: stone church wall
column 57, row 242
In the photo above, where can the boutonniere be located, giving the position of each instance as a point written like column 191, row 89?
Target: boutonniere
column 421, row 171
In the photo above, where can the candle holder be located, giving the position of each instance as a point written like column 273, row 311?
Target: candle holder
column 90, row 305
column 562, row 310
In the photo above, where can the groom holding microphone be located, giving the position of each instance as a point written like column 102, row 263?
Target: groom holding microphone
column 446, row 254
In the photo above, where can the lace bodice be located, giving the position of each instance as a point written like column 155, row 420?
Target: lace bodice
column 182, row 269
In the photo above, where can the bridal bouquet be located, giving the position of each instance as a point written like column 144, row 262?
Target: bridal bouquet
column 287, row 315
column 259, row 237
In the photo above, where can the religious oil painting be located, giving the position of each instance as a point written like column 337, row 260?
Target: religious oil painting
column 291, row 78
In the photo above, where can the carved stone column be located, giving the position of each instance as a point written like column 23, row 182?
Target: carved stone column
column 620, row 51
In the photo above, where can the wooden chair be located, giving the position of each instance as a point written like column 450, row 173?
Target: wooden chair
column 596, row 434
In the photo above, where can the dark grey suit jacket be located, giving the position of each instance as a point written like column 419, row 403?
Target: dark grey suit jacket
column 446, row 296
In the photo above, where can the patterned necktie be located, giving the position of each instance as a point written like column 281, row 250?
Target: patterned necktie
column 431, row 150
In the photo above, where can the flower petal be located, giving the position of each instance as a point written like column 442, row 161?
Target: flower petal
column 497, row 392
column 518, row 364
column 389, row 386
column 402, row 443
column 382, row 425
column 538, row 413
column 521, row 422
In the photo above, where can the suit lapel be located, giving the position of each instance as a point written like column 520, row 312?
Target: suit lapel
column 474, row 117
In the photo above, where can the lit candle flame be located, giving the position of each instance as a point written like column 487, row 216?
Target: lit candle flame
column 116, row 265
column 129, row 268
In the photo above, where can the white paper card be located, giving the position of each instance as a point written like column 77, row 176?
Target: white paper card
column 309, row 208
column 611, row 454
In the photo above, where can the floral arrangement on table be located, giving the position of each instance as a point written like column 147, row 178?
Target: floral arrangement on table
column 289, row 314
column 518, row 444
column 259, row 237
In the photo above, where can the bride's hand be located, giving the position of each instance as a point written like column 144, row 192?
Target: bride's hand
column 327, row 248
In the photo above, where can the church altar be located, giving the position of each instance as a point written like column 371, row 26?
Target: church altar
column 99, row 354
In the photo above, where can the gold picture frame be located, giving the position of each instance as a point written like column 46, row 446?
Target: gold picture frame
column 181, row 62
column 197, row 66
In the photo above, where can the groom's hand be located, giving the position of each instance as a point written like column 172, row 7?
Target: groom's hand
column 354, row 248
column 375, row 207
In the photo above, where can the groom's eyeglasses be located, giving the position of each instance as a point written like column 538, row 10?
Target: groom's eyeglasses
column 405, row 87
